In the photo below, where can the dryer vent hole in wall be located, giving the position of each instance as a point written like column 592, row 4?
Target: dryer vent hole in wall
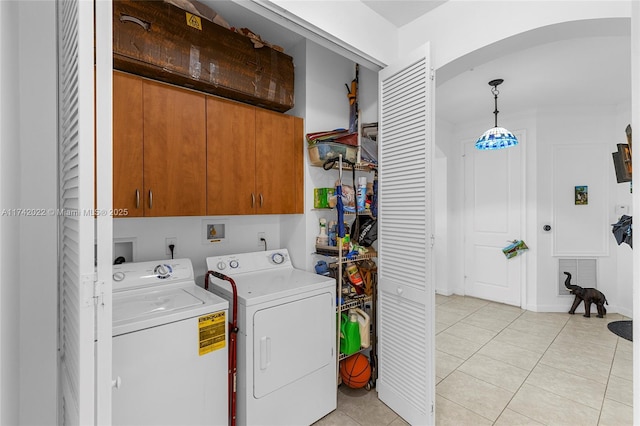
column 583, row 273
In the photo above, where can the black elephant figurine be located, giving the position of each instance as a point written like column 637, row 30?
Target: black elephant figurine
column 588, row 295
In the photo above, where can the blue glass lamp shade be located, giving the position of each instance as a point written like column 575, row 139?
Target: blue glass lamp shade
column 496, row 138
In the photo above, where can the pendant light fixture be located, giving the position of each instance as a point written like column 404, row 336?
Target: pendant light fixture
column 496, row 137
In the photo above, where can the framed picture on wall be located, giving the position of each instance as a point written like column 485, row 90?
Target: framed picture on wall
column 581, row 195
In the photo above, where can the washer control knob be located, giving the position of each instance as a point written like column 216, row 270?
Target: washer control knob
column 221, row 265
column 118, row 276
column 234, row 264
column 163, row 271
column 277, row 258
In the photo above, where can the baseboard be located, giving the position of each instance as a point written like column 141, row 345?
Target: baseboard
column 445, row 292
column 611, row 309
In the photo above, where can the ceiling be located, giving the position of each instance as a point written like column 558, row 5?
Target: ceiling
column 589, row 71
column 585, row 63
column 401, row 12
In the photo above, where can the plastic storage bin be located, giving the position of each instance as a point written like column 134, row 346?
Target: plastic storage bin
column 322, row 151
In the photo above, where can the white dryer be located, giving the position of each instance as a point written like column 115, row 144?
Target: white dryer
column 286, row 339
column 169, row 347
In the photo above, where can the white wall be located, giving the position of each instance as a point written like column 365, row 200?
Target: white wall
column 586, row 128
column 28, row 272
column 441, row 224
column 293, row 231
column 9, row 198
column 327, row 108
column 635, row 123
column 351, row 23
column 37, row 184
column 149, row 236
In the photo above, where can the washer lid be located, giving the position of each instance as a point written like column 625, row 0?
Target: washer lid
column 144, row 308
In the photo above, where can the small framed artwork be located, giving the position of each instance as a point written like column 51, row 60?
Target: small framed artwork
column 581, row 195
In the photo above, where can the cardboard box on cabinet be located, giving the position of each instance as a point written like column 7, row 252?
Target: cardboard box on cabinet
column 163, row 42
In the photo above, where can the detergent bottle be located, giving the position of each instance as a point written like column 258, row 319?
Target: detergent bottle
column 364, row 322
column 349, row 333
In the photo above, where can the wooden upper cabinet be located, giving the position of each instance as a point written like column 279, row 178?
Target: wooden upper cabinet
column 175, row 150
column 127, row 144
column 231, row 159
column 178, row 152
column 275, row 174
column 299, row 145
column 254, row 160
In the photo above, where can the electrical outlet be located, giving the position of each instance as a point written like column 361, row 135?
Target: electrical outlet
column 168, row 242
column 260, row 242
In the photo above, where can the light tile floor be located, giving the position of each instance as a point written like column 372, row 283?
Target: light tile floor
column 501, row 365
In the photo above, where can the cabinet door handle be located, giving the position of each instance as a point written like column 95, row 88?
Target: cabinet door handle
column 253, row 200
column 143, row 24
column 137, row 199
column 150, row 199
column 261, row 200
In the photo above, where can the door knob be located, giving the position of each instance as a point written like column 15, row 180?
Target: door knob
column 116, row 383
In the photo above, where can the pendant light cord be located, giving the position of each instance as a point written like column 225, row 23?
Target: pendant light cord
column 495, row 100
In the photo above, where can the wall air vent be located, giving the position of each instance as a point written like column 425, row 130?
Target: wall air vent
column 583, row 273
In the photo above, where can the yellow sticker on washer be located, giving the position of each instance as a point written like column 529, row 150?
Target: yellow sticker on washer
column 211, row 330
column 194, row 21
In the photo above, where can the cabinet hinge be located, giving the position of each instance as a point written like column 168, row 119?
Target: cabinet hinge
column 433, row 240
column 432, row 74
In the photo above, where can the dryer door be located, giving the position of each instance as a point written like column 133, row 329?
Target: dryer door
column 292, row 340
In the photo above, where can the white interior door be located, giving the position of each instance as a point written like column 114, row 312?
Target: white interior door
column 76, row 228
column 84, row 291
column 406, row 333
column 493, row 196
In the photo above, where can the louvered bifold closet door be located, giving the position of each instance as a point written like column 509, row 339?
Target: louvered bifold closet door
column 406, row 291
column 75, row 203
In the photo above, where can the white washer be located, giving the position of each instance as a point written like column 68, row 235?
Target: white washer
column 170, row 354
column 286, row 339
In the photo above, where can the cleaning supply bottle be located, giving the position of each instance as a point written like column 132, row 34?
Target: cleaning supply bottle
column 364, row 323
column 355, row 278
column 361, row 194
column 322, row 239
column 349, row 333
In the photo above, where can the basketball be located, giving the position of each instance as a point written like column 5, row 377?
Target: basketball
column 355, row 371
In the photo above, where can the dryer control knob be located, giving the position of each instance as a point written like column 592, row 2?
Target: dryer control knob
column 163, row 271
column 118, row 276
column 277, row 258
column 234, row 264
column 221, row 265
